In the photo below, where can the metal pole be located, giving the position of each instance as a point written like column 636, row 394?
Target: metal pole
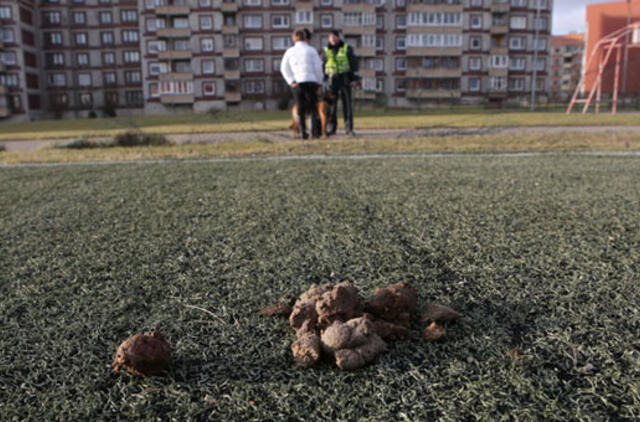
column 616, row 82
column 534, row 75
column 626, row 52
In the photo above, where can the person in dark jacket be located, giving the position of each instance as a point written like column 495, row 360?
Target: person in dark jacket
column 341, row 71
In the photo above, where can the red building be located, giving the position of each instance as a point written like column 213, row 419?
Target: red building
column 566, row 65
column 603, row 19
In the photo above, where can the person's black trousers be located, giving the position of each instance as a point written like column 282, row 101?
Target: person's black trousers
column 342, row 92
column 306, row 98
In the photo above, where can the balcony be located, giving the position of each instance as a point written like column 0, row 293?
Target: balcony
column 4, row 111
column 424, row 7
column 499, row 51
column 365, row 51
column 497, row 92
column 177, row 99
column 176, row 76
column 172, row 10
column 231, row 75
column 433, row 93
column 231, row 52
column 229, row 7
column 421, row 72
column 359, row 30
column 367, row 73
column 500, row 29
column 500, row 7
column 175, row 55
column 359, row 7
column 230, row 29
column 232, row 97
column 498, row 71
column 434, row 51
column 174, row 33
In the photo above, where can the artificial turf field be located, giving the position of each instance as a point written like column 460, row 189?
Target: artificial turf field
column 540, row 253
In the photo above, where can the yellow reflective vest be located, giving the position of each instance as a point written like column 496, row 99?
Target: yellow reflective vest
column 337, row 63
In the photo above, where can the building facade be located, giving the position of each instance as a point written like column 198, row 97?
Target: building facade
column 603, row 19
column 71, row 57
column 566, row 65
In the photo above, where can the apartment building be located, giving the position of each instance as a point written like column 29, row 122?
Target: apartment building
column 167, row 56
column 566, row 65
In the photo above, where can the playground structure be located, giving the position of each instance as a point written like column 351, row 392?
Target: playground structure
column 620, row 40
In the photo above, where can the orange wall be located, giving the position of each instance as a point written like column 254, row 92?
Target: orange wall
column 603, row 19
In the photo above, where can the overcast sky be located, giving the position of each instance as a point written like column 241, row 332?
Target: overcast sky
column 569, row 15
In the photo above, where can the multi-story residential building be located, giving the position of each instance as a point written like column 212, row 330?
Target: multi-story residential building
column 566, row 68
column 163, row 56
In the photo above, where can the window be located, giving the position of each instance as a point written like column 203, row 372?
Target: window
column 180, row 23
column 380, row 21
column 401, row 3
column 304, row 17
column 111, row 98
column 434, row 40
column 275, row 65
column 475, row 43
column 109, row 59
column 280, row 43
column 516, row 84
column 11, row 79
column 517, row 63
column 540, row 3
column 540, row 23
column 154, row 47
column 476, row 21
column 326, row 2
column 109, row 78
column 516, row 43
column 106, row 38
column 541, row 64
column 82, row 59
column 85, row 100
column 519, row 3
column 5, row 13
column 130, row 36
column 84, row 79
column 208, row 67
column 132, row 77
column 252, row 21
column 129, row 16
column 401, row 64
column 79, row 18
column 131, row 57
column 475, row 63
column 81, row 38
column 205, row 3
column 499, row 61
column 435, row 19
column 154, row 90
column 518, row 22
column 6, row 35
column 156, row 68
column 401, row 85
column 155, row 24
column 280, row 21
column 106, row 18
column 401, row 43
column 209, row 88
column 498, row 83
column 375, row 64
column 54, row 59
column 279, row 2
column 540, row 44
column 230, row 41
column 379, row 43
column 326, row 20
column 253, row 65
column 8, row 58
column 253, row 44
column 206, row 22
column 476, row 3
column 401, row 21
column 52, row 18
column 254, row 87
column 253, row 2
column 206, row 45
column 474, row 84
column 134, row 98
column 359, row 19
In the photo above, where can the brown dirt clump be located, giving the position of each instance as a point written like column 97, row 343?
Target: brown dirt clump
column 390, row 331
column 440, row 313
column 278, row 310
column 434, row 332
column 143, row 354
column 306, row 350
column 393, row 304
column 353, row 343
column 341, row 303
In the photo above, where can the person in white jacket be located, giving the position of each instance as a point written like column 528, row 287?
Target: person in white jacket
column 301, row 67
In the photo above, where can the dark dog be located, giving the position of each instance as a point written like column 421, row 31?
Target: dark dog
column 324, row 110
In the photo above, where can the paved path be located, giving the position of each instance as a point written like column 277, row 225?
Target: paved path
column 282, row 136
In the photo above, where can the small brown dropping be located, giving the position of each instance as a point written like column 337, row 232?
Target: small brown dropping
column 434, row 333
column 143, row 354
column 440, row 313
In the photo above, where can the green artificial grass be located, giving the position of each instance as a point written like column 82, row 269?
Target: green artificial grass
column 541, row 254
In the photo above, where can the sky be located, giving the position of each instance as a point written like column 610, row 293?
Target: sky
column 570, row 15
